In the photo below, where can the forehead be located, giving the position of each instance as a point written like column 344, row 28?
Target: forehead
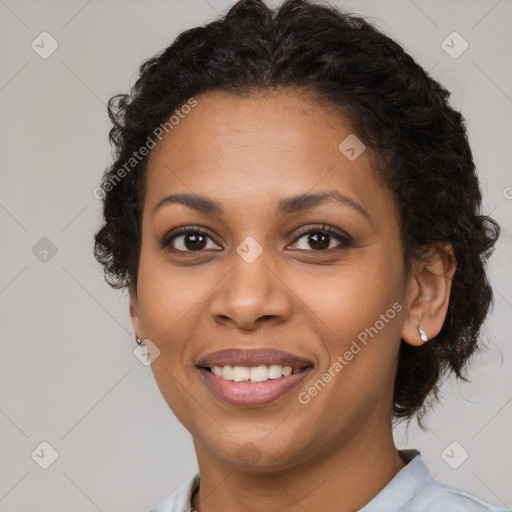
column 251, row 125
column 255, row 148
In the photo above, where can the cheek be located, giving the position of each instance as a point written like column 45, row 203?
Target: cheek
column 166, row 302
column 167, row 295
column 358, row 311
column 352, row 297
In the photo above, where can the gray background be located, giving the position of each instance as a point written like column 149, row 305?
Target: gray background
column 68, row 375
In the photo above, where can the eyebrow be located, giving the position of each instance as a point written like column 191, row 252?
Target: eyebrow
column 286, row 206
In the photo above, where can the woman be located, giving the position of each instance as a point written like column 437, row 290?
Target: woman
column 295, row 211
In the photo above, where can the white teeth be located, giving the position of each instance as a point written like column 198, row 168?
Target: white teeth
column 241, row 373
column 253, row 374
column 258, row 374
column 227, row 372
column 275, row 371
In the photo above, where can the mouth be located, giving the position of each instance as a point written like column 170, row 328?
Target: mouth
column 249, row 378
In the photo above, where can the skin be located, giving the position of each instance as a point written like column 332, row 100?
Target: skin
column 248, row 153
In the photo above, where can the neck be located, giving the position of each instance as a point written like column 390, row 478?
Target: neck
column 342, row 477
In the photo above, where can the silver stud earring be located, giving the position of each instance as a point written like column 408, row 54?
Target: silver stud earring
column 423, row 334
column 138, row 340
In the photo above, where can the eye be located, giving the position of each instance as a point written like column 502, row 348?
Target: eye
column 320, row 238
column 187, row 240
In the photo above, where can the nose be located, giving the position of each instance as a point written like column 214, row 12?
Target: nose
column 252, row 294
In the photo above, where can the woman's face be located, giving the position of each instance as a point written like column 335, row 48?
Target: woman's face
column 259, row 281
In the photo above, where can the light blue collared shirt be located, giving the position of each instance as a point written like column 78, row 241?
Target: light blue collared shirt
column 413, row 489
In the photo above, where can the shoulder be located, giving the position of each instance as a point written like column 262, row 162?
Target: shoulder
column 181, row 499
column 430, row 495
column 414, row 489
column 438, row 496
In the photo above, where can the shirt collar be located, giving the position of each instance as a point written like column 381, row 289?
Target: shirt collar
column 404, row 487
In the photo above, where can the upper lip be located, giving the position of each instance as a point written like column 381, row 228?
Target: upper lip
column 253, row 357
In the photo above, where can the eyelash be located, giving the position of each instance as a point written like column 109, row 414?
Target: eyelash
column 344, row 239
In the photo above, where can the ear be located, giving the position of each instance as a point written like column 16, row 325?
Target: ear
column 428, row 294
column 135, row 314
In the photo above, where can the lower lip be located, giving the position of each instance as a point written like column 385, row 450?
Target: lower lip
column 251, row 394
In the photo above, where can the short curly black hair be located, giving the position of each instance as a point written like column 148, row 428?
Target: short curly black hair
column 394, row 107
